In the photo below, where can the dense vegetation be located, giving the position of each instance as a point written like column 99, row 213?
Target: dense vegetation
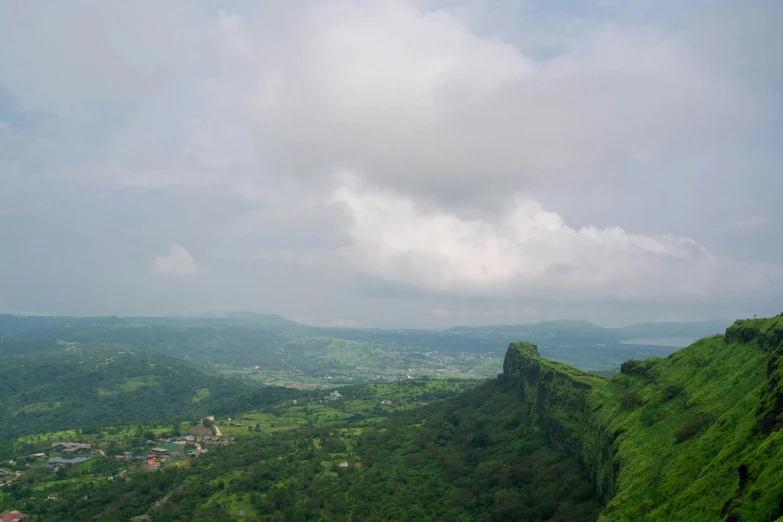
column 694, row 436
column 87, row 387
column 475, row 457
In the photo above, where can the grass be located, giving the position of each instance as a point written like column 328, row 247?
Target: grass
column 35, row 407
column 667, row 437
column 201, row 394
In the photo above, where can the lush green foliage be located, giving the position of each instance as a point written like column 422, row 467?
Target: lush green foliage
column 76, row 387
column 476, row 457
column 694, row 436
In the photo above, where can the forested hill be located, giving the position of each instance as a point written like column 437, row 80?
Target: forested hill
column 84, row 387
column 695, row 436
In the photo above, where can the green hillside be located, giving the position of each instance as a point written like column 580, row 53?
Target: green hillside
column 694, row 436
column 78, row 387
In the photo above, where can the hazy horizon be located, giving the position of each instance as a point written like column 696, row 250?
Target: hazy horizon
column 230, row 313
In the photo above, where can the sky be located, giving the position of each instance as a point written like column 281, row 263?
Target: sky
column 378, row 163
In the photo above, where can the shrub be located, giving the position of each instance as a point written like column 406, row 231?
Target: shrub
column 671, row 391
column 629, row 400
column 694, row 427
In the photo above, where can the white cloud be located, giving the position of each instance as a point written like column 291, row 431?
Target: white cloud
column 412, row 96
column 528, row 252
column 460, row 315
column 178, row 263
column 418, row 102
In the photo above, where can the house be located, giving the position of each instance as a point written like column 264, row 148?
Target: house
column 343, row 464
column 12, row 516
column 386, row 402
column 71, row 447
column 53, row 496
column 152, row 466
column 119, row 457
column 39, row 455
column 333, row 396
column 111, row 477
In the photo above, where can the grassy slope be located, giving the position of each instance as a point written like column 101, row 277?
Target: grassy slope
column 666, row 438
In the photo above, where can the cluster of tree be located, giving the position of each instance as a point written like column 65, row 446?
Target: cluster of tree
column 90, row 387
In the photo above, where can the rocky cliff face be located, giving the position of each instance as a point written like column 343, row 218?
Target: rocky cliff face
column 564, row 400
column 695, row 436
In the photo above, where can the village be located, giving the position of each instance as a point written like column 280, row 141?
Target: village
column 60, row 456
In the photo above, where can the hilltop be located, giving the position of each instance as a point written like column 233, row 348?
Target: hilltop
column 694, row 436
column 71, row 386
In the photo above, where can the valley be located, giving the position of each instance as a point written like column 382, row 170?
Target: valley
column 110, row 431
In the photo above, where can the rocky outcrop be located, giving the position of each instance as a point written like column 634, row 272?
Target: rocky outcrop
column 564, row 400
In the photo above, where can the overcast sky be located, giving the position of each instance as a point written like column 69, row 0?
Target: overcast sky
column 393, row 163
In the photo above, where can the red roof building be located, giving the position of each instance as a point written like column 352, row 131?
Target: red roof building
column 12, row 516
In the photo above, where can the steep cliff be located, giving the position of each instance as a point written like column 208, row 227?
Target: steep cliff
column 695, row 436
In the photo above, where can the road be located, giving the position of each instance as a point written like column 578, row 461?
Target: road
column 217, row 431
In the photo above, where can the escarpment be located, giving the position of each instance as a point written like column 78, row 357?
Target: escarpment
column 694, row 436
column 563, row 402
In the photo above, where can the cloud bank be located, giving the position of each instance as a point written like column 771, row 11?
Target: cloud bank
column 529, row 252
column 512, row 159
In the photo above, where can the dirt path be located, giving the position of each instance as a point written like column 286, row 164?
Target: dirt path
column 217, row 431
column 101, row 452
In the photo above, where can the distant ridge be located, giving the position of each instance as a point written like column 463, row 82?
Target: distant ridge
column 261, row 319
